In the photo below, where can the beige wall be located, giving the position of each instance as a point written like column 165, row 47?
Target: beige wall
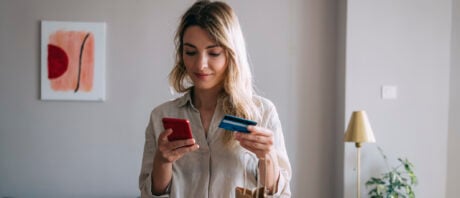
column 453, row 157
column 314, row 51
column 317, row 60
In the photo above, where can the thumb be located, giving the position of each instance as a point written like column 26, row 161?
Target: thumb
column 165, row 134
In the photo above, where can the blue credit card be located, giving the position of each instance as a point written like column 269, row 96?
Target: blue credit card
column 233, row 123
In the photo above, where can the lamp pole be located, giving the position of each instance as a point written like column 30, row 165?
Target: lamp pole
column 358, row 175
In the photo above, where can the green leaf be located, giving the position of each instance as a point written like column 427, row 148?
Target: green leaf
column 398, row 182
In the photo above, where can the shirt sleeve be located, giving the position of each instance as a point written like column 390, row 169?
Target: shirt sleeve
column 283, row 185
column 145, row 177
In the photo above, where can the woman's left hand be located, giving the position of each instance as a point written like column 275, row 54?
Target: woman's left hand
column 259, row 141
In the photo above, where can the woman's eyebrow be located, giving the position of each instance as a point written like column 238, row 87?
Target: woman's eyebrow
column 212, row 46
column 189, row 45
column 193, row 46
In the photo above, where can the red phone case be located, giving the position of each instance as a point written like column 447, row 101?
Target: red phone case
column 181, row 128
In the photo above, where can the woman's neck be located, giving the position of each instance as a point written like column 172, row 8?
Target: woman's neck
column 206, row 99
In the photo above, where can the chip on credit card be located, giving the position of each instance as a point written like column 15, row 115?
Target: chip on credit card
column 233, row 123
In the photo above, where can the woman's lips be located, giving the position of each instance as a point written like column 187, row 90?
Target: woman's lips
column 201, row 75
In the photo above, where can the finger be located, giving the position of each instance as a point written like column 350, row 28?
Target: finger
column 257, row 138
column 256, row 148
column 164, row 135
column 186, row 149
column 179, row 152
column 181, row 143
column 175, row 154
column 255, row 145
column 237, row 135
column 259, row 130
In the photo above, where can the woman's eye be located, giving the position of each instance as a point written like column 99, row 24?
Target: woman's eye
column 214, row 54
column 190, row 53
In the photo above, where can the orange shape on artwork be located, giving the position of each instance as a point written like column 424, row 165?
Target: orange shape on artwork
column 79, row 49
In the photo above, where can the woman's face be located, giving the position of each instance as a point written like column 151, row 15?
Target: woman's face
column 204, row 60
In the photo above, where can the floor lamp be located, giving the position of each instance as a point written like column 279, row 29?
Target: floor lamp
column 359, row 131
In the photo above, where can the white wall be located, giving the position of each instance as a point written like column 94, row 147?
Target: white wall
column 453, row 173
column 407, row 44
column 81, row 149
column 88, row 149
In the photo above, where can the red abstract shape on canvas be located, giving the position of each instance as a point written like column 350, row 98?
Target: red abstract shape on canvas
column 58, row 61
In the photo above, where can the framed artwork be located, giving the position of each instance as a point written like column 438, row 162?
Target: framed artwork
column 72, row 61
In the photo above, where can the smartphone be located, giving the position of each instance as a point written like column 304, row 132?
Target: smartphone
column 181, row 128
column 233, row 123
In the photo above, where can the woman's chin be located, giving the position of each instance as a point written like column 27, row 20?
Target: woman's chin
column 204, row 87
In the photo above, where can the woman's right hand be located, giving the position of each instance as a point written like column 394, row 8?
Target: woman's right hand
column 170, row 151
column 167, row 153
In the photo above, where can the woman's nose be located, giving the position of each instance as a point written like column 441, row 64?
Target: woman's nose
column 202, row 61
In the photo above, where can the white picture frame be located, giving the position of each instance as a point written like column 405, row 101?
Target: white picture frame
column 73, row 60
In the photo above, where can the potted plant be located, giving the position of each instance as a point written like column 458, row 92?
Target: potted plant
column 398, row 182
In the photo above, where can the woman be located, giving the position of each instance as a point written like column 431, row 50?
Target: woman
column 212, row 71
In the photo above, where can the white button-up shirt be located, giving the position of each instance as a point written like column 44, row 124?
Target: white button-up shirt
column 215, row 169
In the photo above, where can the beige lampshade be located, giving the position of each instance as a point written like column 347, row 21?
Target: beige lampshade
column 359, row 129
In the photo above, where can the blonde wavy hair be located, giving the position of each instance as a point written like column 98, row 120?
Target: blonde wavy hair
column 220, row 21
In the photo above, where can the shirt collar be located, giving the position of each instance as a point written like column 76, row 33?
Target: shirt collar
column 185, row 99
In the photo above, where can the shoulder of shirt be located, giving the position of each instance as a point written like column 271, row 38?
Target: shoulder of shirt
column 263, row 102
column 173, row 103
